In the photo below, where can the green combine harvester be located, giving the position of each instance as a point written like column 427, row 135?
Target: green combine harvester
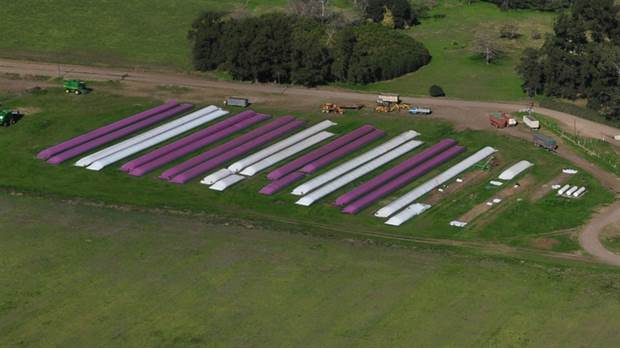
column 9, row 117
column 76, row 87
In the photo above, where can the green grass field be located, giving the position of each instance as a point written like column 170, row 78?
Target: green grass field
column 80, row 276
column 449, row 38
column 62, row 117
column 109, row 33
column 599, row 152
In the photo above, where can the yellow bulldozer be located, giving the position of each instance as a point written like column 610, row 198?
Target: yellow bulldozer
column 329, row 108
column 392, row 107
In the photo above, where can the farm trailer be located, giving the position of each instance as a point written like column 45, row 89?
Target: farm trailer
column 501, row 120
column 545, row 142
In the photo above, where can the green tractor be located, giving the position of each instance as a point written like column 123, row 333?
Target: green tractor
column 76, row 87
column 9, row 117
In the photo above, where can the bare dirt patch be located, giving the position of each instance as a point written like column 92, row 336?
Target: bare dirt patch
column 504, row 194
column 29, row 110
column 470, row 178
column 547, row 187
column 544, row 243
column 10, row 85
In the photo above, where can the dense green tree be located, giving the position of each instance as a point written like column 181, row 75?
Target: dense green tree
column 342, row 53
column 581, row 59
column 206, row 34
column 310, row 58
column 380, row 53
column 532, row 72
column 292, row 49
column 400, row 10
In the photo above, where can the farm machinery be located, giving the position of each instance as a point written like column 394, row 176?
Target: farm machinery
column 329, row 108
column 9, row 117
column 501, row 120
column 391, row 103
column 76, row 87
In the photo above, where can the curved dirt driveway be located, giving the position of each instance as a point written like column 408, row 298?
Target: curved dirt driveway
column 589, row 237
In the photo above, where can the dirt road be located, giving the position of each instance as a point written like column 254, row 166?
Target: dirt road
column 585, row 127
column 590, row 235
column 465, row 114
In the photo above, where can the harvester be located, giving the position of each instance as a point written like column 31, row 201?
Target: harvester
column 9, row 117
column 76, row 87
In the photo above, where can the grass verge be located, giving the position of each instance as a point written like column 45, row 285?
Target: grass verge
column 74, row 276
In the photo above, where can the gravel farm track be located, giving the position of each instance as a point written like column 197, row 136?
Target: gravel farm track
column 464, row 114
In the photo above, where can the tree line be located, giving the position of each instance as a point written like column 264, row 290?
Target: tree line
column 287, row 48
column 542, row 5
column 581, row 59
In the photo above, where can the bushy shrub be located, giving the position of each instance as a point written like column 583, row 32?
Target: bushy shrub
column 436, row 91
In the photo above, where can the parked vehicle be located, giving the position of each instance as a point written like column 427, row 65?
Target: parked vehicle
column 76, row 87
column 392, row 107
column 9, row 117
column 387, row 99
column 501, row 120
column 531, row 122
column 420, row 111
column 545, row 142
column 329, row 108
column 237, row 101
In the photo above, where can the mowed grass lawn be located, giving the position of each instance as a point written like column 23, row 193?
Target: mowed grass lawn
column 153, row 33
column 61, row 117
column 79, row 276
